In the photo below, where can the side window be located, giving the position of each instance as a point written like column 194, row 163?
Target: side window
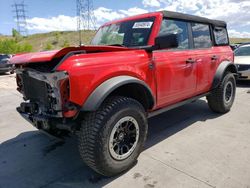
column 220, row 36
column 180, row 28
column 201, row 35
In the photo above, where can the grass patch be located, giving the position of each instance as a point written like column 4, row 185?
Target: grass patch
column 58, row 40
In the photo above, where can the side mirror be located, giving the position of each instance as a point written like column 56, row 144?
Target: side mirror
column 166, row 41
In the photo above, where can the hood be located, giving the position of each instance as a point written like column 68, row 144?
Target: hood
column 242, row 60
column 40, row 57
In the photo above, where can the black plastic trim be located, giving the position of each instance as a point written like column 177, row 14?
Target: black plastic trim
column 188, row 17
column 221, row 71
column 102, row 91
column 165, row 109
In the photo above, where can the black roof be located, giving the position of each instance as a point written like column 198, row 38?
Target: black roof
column 188, row 17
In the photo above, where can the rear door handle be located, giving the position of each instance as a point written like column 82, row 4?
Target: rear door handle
column 214, row 58
column 190, row 60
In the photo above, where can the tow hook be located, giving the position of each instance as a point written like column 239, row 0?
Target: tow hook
column 41, row 124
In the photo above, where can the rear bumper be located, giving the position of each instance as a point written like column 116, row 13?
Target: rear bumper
column 6, row 69
column 244, row 75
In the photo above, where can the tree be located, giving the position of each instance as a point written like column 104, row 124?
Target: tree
column 16, row 35
column 65, row 44
column 10, row 46
column 48, row 46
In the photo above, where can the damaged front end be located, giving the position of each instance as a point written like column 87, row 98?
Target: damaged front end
column 46, row 97
column 43, row 80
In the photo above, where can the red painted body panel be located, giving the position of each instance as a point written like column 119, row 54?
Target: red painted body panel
column 178, row 80
column 206, row 67
column 87, row 71
column 40, row 57
column 33, row 57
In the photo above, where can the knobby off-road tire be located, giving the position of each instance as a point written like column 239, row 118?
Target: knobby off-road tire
column 222, row 98
column 112, row 138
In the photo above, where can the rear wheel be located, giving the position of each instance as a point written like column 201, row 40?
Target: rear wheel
column 222, row 98
column 112, row 138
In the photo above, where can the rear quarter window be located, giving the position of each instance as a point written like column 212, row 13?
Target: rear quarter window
column 220, row 36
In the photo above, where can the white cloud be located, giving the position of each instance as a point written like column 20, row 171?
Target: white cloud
column 235, row 13
column 236, row 34
column 151, row 3
column 103, row 14
column 133, row 11
column 59, row 23
column 67, row 23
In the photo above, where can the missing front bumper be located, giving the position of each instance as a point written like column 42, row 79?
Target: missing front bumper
column 47, row 123
column 43, row 90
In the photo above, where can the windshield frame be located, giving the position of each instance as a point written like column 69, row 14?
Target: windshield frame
column 137, row 19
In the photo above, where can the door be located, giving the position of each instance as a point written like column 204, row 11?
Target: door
column 204, row 53
column 176, row 69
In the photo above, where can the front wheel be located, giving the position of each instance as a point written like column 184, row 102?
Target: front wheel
column 222, row 98
column 112, row 138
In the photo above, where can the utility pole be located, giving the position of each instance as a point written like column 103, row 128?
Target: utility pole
column 85, row 17
column 20, row 17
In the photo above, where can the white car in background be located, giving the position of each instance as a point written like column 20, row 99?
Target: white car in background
column 242, row 61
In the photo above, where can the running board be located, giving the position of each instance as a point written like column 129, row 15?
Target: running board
column 162, row 110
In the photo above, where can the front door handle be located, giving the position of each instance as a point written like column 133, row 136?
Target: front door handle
column 190, row 61
column 214, row 58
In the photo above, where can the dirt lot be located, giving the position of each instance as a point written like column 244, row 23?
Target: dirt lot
column 186, row 147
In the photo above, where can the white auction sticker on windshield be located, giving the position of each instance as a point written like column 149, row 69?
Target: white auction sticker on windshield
column 142, row 25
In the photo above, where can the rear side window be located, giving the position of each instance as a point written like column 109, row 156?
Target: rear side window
column 220, row 36
column 176, row 27
column 201, row 35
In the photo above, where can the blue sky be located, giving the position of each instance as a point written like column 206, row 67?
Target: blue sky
column 51, row 8
column 50, row 15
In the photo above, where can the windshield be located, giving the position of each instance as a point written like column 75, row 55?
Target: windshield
column 243, row 51
column 129, row 33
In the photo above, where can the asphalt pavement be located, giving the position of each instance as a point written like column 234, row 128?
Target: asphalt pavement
column 186, row 147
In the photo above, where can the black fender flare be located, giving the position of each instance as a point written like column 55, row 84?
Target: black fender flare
column 97, row 97
column 221, row 70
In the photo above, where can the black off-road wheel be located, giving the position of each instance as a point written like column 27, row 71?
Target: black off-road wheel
column 112, row 138
column 222, row 98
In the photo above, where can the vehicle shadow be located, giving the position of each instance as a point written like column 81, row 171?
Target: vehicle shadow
column 4, row 74
column 243, row 83
column 33, row 159
column 167, row 124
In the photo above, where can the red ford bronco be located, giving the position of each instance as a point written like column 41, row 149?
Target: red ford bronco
column 136, row 68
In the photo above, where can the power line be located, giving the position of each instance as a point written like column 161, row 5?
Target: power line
column 20, row 17
column 85, row 17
